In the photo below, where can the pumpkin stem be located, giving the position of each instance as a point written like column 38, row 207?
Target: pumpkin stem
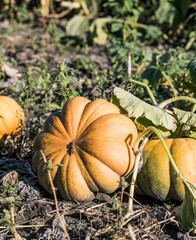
column 170, row 80
column 180, row 98
column 70, row 148
column 124, row 84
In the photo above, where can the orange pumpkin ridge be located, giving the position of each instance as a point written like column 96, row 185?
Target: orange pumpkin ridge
column 94, row 143
column 11, row 117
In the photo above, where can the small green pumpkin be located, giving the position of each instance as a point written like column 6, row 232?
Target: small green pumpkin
column 157, row 178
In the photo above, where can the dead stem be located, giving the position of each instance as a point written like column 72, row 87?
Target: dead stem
column 120, row 207
column 13, row 221
column 55, row 198
column 131, row 232
column 60, row 15
column 134, row 176
column 23, row 226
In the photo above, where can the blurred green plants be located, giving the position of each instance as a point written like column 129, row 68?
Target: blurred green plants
column 11, row 202
column 97, row 21
column 171, row 67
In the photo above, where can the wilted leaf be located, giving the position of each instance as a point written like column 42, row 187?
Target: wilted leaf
column 11, row 72
column 97, row 29
column 9, row 177
column 145, row 113
column 77, row 26
column 185, row 117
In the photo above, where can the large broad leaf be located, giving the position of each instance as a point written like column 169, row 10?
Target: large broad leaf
column 145, row 113
column 77, row 26
column 188, row 118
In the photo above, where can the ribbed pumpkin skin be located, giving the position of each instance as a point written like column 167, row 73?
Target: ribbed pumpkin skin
column 94, row 143
column 157, row 177
column 11, row 116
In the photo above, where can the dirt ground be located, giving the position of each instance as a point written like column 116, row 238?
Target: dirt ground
column 35, row 211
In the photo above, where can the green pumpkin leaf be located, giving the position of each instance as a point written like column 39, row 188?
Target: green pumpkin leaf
column 186, row 213
column 153, row 72
column 192, row 134
column 77, row 26
column 116, row 27
column 188, row 118
column 145, row 113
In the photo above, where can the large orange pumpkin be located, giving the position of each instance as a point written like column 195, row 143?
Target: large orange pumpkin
column 157, row 178
column 11, row 116
column 94, row 143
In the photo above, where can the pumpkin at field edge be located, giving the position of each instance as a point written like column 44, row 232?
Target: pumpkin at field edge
column 94, row 143
column 157, row 178
column 11, row 116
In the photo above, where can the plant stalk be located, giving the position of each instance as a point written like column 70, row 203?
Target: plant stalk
column 134, row 177
column 169, row 79
column 180, row 98
column 24, row 226
column 194, row 108
column 13, row 221
column 147, row 89
column 129, row 64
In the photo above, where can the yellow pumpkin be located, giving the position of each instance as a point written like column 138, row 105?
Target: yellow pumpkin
column 157, row 178
column 11, row 116
column 94, row 143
